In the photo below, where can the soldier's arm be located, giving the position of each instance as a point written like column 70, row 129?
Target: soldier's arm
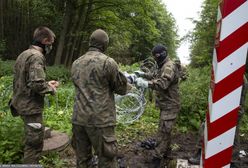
column 118, row 82
column 163, row 82
column 37, row 76
column 149, row 76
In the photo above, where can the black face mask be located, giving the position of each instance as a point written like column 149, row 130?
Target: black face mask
column 160, row 57
column 46, row 48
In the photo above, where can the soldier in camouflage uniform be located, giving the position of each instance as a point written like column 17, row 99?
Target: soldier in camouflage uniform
column 29, row 89
column 182, row 70
column 96, row 78
column 165, row 83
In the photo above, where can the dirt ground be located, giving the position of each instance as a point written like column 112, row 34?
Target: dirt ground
column 134, row 156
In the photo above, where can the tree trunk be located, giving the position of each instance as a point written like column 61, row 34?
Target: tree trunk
column 82, row 24
column 1, row 19
column 74, row 33
column 63, row 33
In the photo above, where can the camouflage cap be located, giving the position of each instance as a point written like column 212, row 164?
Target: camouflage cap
column 99, row 39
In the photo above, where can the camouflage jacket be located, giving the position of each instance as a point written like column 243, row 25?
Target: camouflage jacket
column 165, row 82
column 96, row 78
column 29, row 85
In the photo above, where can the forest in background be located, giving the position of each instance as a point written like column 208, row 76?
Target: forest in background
column 134, row 27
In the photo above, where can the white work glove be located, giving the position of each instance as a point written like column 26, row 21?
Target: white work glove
column 141, row 83
column 139, row 73
column 131, row 78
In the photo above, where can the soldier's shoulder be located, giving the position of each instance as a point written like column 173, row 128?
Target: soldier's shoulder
column 35, row 55
column 111, row 62
column 30, row 55
column 169, row 64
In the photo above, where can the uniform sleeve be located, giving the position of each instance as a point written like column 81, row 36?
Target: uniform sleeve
column 117, row 80
column 163, row 82
column 36, row 76
column 149, row 76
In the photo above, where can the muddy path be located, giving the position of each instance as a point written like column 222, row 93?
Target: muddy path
column 135, row 156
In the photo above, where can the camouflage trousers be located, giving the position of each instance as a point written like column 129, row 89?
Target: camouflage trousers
column 34, row 135
column 101, row 140
column 166, row 123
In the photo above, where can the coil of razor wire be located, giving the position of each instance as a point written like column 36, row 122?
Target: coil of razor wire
column 131, row 106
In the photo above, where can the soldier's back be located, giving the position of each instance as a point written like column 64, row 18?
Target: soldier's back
column 94, row 103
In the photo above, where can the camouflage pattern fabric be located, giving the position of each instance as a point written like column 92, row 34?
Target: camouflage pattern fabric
column 34, row 135
column 165, row 83
column 183, row 73
column 29, row 85
column 164, row 135
column 103, row 141
column 96, row 78
column 29, row 88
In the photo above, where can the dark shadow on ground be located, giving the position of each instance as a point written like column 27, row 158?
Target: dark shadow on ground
column 135, row 156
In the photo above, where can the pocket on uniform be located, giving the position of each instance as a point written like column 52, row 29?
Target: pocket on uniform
column 109, row 146
column 13, row 109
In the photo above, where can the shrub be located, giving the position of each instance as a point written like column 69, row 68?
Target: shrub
column 6, row 67
column 11, row 135
column 194, row 98
column 58, row 72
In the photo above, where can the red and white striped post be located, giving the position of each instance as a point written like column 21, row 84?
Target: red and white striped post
column 228, row 68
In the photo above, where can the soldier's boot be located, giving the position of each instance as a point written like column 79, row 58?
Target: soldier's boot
column 195, row 160
column 94, row 161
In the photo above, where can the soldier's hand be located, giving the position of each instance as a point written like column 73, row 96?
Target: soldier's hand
column 139, row 73
column 54, row 83
column 130, row 77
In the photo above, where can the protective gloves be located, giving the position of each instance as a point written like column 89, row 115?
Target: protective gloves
column 139, row 73
column 141, row 83
column 131, row 78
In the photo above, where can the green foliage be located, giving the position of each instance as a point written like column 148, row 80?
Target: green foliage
column 146, row 126
column 134, row 27
column 6, row 67
column 5, row 92
column 11, row 129
column 11, row 135
column 129, row 68
column 2, row 47
column 203, row 35
column 194, row 98
column 52, row 160
column 58, row 111
column 57, row 72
